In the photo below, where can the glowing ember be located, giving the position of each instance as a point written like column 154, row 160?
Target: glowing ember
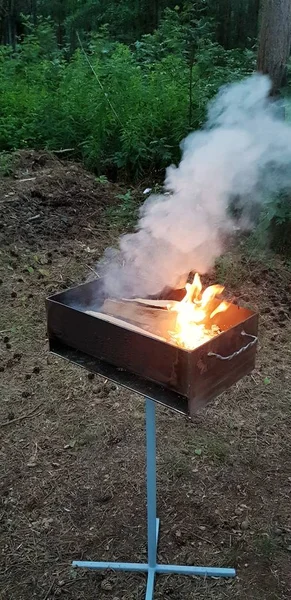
column 194, row 314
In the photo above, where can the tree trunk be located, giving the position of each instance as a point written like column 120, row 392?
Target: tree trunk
column 33, row 11
column 224, row 23
column 274, row 51
column 60, row 34
column 155, row 13
column 275, row 42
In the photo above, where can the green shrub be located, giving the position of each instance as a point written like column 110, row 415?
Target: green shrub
column 115, row 106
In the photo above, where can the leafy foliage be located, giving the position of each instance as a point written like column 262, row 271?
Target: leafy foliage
column 119, row 108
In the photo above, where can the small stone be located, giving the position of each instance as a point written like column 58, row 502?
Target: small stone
column 104, row 498
column 46, row 522
column 105, row 392
column 106, row 585
column 245, row 524
column 97, row 390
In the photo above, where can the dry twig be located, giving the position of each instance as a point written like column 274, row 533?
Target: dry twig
column 95, row 272
column 26, row 416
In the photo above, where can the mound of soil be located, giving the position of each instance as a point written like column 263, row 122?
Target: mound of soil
column 45, row 199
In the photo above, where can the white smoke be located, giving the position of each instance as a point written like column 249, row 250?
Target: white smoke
column 244, row 150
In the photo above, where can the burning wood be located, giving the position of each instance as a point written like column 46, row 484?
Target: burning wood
column 138, row 316
column 187, row 324
column 125, row 324
column 195, row 313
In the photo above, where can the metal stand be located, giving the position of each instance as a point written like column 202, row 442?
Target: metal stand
column 152, row 567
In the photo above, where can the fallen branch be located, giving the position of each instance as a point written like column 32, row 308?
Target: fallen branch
column 33, row 218
column 62, row 151
column 95, row 272
column 26, row 416
column 28, row 179
column 9, row 199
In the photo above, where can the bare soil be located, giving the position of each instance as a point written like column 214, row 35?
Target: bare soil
column 72, row 457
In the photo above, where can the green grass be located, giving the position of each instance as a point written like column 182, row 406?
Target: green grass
column 124, row 213
column 6, row 164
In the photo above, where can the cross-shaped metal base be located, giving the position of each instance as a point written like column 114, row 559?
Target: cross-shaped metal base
column 152, row 567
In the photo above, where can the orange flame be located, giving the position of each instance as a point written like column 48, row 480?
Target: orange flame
column 193, row 312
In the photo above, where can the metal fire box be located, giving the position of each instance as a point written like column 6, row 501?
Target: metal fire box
column 180, row 379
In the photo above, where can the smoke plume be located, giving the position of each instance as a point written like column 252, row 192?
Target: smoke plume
column 244, row 151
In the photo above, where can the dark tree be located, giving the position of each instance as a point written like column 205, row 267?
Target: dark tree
column 273, row 54
column 11, row 26
column 236, row 21
column 8, row 17
column 275, row 41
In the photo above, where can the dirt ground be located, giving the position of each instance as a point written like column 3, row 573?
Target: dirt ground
column 72, row 457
